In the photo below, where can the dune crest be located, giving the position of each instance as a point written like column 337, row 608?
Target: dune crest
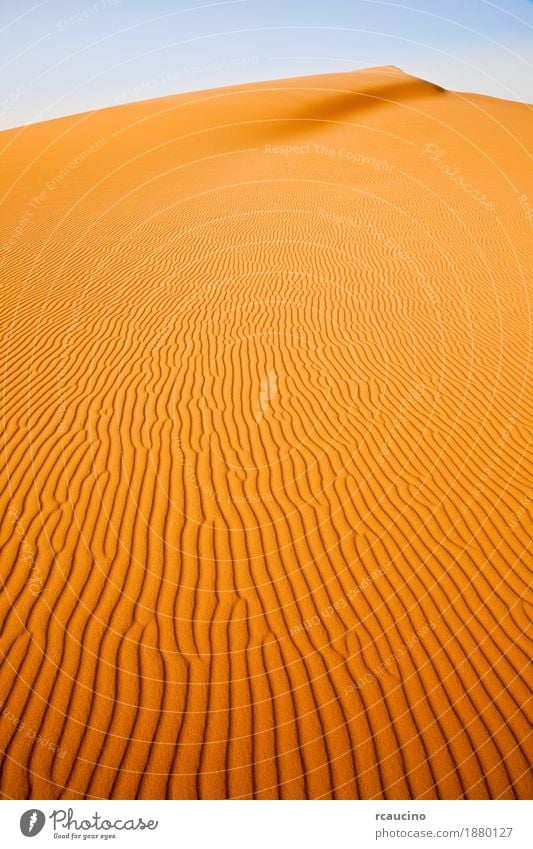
column 266, row 402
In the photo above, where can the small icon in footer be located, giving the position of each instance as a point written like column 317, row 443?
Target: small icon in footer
column 32, row 822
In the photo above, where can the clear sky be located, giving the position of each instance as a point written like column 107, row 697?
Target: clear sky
column 65, row 56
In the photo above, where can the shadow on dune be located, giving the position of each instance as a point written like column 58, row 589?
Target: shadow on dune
column 351, row 104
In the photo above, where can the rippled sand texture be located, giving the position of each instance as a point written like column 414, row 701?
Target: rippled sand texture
column 266, row 412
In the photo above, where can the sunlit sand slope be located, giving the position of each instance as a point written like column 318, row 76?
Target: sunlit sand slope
column 266, row 406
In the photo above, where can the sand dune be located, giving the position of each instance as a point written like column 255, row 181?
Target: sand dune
column 266, row 405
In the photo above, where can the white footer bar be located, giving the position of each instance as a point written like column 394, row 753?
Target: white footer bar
column 268, row 825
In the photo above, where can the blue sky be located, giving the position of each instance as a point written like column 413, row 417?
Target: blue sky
column 65, row 56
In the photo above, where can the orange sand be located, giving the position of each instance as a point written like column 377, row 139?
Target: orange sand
column 265, row 375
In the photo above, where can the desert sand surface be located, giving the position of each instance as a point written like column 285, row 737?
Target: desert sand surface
column 266, row 411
